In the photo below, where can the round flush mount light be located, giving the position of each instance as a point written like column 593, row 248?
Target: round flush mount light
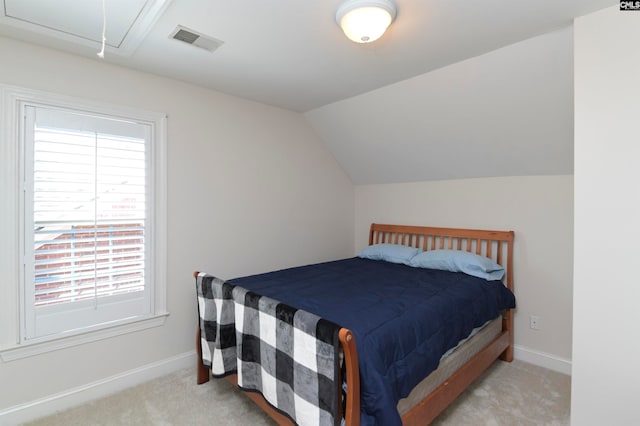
column 364, row 21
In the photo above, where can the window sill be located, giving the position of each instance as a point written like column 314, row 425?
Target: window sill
column 26, row 350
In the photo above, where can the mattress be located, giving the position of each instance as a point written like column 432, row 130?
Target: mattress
column 450, row 363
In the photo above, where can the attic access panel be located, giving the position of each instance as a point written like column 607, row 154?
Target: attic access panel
column 80, row 21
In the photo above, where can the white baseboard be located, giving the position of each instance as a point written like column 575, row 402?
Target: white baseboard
column 542, row 359
column 82, row 394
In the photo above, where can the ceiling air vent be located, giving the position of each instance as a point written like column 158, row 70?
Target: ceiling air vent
column 195, row 38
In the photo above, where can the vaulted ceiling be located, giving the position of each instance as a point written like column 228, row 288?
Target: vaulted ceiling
column 414, row 105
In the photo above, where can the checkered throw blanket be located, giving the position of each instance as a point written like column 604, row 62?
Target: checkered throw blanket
column 288, row 355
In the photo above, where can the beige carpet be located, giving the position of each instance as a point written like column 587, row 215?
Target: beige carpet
column 506, row 395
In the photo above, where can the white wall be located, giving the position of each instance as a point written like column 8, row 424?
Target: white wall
column 540, row 211
column 250, row 188
column 606, row 348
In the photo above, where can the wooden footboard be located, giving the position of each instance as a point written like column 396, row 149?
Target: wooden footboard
column 352, row 379
column 422, row 414
column 496, row 245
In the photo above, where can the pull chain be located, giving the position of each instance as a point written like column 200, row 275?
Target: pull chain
column 104, row 29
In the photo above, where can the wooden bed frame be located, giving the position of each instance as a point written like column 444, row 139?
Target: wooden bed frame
column 496, row 245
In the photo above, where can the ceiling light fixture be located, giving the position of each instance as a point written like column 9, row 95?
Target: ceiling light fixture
column 364, row 21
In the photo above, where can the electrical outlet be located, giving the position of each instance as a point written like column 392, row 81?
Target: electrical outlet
column 534, row 322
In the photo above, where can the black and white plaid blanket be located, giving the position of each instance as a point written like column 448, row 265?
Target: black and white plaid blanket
column 288, row 355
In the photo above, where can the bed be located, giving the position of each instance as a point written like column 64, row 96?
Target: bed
column 431, row 393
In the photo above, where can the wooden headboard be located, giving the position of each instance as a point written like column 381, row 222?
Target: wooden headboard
column 496, row 245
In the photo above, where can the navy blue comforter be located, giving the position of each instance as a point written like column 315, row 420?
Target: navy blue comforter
column 404, row 319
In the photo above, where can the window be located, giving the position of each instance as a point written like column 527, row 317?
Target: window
column 91, row 223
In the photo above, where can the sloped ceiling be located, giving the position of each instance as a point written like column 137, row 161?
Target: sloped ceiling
column 453, row 90
column 505, row 113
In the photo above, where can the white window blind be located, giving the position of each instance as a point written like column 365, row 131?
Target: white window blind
column 87, row 188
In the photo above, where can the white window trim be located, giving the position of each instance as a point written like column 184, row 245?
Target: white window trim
column 11, row 100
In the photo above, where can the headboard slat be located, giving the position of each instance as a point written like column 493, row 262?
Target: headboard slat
column 496, row 245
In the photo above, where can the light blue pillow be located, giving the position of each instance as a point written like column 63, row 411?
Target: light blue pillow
column 393, row 253
column 459, row 261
